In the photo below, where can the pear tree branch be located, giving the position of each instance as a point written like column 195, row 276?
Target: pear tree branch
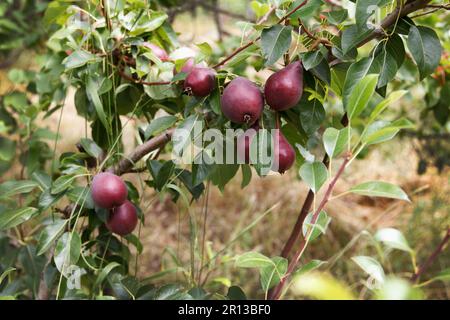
column 439, row 249
column 126, row 164
column 276, row 292
column 390, row 20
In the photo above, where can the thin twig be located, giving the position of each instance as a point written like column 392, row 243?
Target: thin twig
column 432, row 257
column 276, row 293
column 388, row 21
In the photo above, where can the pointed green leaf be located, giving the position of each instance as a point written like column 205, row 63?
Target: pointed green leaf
column 380, row 189
column 335, row 141
column 361, row 95
column 426, row 49
column 275, row 41
column 314, row 174
column 370, row 266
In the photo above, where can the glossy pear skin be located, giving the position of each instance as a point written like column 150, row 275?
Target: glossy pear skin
column 284, row 153
column 200, row 82
column 123, row 219
column 242, row 101
column 244, row 142
column 284, row 88
column 108, row 190
column 159, row 52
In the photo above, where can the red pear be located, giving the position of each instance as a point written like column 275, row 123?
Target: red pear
column 200, row 82
column 108, row 190
column 123, row 219
column 242, row 101
column 284, row 153
column 284, row 88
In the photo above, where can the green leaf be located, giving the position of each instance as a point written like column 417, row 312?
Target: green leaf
column 370, row 266
column 182, row 136
column 11, row 188
column 361, row 95
column 91, row 148
column 310, row 266
column 322, row 71
column 104, row 273
column 396, row 48
column 386, row 65
column 7, row 149
column 393, row 97
column 312, row 59
column 158, row 125
column 12, row 218
column 236, row 293
column 351, row 36
column 253, row 260
column 67, row 251
column 271, row 275
column 6, row 273
column 79, row 58
column 393, row 238
column 306, row 11
column 355, row 74
column 92, row 88
column 246, row 175
column 82, row 196
column 426, row 49
column 164, row 175
column 62, row 183
column 312, row 114
column 319, row 228
column 335, row 141
column 337, row 17
column 380, row 189
column 49, row 234
column 146, row 22
column 222, row 174
column 275, row 41
column 379, row 132
column 314, row 174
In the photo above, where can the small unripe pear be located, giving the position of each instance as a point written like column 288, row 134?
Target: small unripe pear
column 284, row 88
column 108, row 190
column 123, row 219
column 242, row 101
column 159, row 52
column 284, row 153
column 200, row 82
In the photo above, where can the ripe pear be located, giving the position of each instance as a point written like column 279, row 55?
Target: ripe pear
column 242, row 101
column 284, row 153
column 123, row 219
column 108, row 190
column 284, row 88
column 200, row 81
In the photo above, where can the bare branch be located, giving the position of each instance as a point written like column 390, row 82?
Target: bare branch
column 432, row 257
column 141, row 151
column 276, row 293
